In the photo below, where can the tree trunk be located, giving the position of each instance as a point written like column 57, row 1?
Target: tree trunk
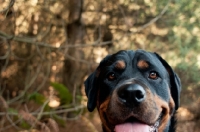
column 74, row 69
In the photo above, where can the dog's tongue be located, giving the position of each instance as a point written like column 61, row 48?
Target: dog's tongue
column 132, row 127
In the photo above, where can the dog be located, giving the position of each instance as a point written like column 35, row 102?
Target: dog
column 134, row 91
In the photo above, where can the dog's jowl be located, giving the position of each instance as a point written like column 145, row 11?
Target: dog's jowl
column 134, row 91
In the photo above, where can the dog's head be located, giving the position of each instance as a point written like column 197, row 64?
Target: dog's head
column 135, row 90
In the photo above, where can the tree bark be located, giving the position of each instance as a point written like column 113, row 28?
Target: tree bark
column 73, row 69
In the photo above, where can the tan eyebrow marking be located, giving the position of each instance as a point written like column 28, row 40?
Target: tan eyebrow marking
column 120, row 64
column 142, row 64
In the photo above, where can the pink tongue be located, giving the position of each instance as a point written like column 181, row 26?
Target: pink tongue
column 132, row 127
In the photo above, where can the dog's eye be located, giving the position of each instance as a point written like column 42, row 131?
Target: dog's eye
column 111, row 76
column 153, row 75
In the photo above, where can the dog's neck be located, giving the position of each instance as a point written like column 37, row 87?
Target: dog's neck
column 172, row 125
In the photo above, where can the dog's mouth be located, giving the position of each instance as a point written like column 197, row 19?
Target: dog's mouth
column 134, row 125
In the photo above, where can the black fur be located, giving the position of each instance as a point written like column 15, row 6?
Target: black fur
column 93, row 84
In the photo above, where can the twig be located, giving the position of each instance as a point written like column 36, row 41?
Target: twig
column 154, row 19
column 33, row 121
column 3, row 103
column 33, row 41
column 52, row 125
column 42, row 109
column 21, row 59
column 7, row 50
column 76, row 59
column 76, row 117
column 13, row 124
column 50, row 112
column 47, row 73
column 7, row 56
column 11, row 3
column 89, row 124
column 124, row 15
column 27, row 86
column 9, row 126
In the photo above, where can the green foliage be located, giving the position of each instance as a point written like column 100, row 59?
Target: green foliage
column 24, row 124
column 63, row 93
column 37, row 97
column 79, row 97
column 175, row 35
column 188, row 73
column 12, row 111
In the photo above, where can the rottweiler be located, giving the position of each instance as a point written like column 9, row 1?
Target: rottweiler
column 134, row 91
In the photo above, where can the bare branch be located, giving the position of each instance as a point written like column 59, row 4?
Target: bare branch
column 13, row 124
column 78, row 107
column 89, row 124
column 3, row 103
column 9, row 126
column 154, row 19
column 52, row 125
column 33, row 41
column 33, row 121
column 11, row 3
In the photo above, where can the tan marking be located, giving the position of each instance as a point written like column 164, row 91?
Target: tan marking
column 111, row 111
column 171, row 105
column 102, row 110
column 146, row 110
column 120, row 64
column 167, row 108
column 142, row 64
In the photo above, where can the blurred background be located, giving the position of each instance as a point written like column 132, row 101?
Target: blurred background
column 49, row 47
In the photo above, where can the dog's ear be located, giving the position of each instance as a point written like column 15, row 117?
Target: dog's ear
column 91, row 87
column 91, row 91
column 174, row 81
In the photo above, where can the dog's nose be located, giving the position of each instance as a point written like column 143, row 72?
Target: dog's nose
column 132, row 95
